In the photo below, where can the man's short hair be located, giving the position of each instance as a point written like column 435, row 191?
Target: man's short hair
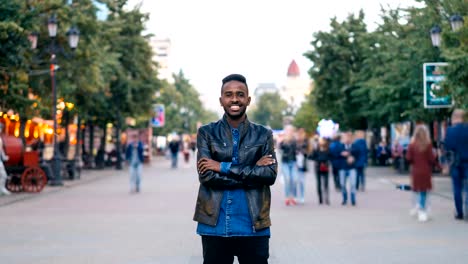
column 235, row 77
column 459, row 115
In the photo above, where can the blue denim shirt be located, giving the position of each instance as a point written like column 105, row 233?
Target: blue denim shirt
column 234, row 217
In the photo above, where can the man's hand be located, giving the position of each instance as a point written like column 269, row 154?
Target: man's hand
column 266, row 161
column 206, row 164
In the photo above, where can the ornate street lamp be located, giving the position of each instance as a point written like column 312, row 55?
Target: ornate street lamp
column 73, row 38
column 456, row 21
column 436, row 36
column 52, row 25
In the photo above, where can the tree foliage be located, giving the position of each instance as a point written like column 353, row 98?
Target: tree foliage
column 111, row 75
column 184, row 109
column 269, row 110
column 375, row 78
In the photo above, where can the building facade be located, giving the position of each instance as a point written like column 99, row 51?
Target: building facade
column 161, row 55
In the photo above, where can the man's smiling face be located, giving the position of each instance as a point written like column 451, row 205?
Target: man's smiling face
column 234, row 99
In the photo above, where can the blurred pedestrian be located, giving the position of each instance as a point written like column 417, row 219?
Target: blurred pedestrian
column 421, row 157
column 335, row 149
column 186, row 150
column 193, row 145
column 398, row 156
column 456, row 141
column 3, row 174
column 301, row 161
column 322, row 158
column 288, row 149
column 236, row 167
column 174, row 147
column 383, row 153
column 135, row 158
column 361, row 159
column 348, row 154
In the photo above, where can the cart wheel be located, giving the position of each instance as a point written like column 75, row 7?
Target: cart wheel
column 13, row 183
column 33, row 179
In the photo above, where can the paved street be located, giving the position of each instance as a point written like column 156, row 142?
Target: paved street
column 98, row 221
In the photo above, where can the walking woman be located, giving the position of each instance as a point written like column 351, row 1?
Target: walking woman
column 288, row 164
column 322, row 159
column 421, row 158
column 301, row 161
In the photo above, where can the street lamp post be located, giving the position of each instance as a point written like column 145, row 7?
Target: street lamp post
column 73, row 38
column 456, row 22
column 436, row 36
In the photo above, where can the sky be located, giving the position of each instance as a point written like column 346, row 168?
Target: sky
column 256, row 38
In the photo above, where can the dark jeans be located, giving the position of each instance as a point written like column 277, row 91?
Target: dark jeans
column 249, row 250
column 336, row 177
column 360, row 178
column 322, row 187
column 459, row 177
column 174, row 157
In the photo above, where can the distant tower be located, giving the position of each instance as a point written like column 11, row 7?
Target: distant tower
column 296, row 88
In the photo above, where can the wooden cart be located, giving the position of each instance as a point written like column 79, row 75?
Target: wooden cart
column 22, row 167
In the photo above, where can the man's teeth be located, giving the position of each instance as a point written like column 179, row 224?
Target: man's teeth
column 235, row 107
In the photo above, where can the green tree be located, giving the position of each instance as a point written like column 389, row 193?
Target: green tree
column 307, row 116
column 183, row 106
column 269, row 110
column 338, row 57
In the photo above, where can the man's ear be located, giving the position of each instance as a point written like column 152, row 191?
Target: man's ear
column 248, row 100
column 220, row 102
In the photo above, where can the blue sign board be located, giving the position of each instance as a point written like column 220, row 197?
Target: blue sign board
column 434, row 75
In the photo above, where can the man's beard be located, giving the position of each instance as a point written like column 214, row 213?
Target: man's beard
column 235, row 116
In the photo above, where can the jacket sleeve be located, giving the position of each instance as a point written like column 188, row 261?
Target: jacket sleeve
column 253, row 175
column 210, row 178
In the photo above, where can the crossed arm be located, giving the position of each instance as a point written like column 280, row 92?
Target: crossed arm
column 239, row 176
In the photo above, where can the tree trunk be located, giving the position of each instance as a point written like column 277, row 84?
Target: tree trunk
column 91, row 144
column 100, row 157
column 66, row 143
column 118, row 146
column 21, row 129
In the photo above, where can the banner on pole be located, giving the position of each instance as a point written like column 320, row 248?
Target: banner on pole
column 158, row 118
column 434, row 75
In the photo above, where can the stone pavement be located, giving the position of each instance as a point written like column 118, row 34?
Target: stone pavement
column 99, row 221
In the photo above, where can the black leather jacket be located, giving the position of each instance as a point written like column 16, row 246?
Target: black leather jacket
column 214, row 141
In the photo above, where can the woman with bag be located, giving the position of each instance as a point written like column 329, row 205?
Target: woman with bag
column 322, row 158
column 421, row 158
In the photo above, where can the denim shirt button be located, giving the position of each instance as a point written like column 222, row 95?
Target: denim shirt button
column 229, row 201
column 228, row 217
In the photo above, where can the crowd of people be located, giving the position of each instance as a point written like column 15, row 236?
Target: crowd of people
column 344, row 155
column 344, row 158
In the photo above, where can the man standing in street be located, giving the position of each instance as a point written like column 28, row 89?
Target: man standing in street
column 174, row 147
column 347, row 156
column 134, row 157
column 236, row 166
column 456, row 141
column 335, row 149
column 361, row 159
